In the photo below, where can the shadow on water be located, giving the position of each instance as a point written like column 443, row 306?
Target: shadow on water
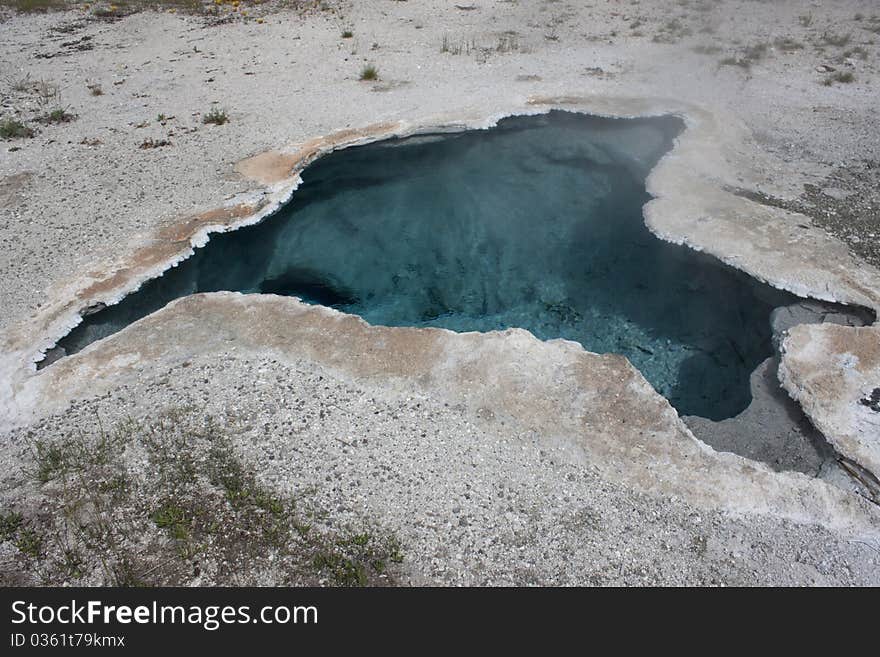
column 536, row 223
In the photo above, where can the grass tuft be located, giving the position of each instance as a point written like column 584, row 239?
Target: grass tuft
column 149, row 143
column 10, row 523
column 29, row 543
column 369, row 72
column 51, row 461
column 14, row 129
column 216, row 116
column 34, row 6
column 173, row 518
column 843, row 77
column 57, row 115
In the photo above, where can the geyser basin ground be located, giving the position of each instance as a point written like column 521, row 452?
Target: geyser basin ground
column 536, row 223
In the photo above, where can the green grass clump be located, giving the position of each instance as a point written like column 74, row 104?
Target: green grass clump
column 149, row 142
column 51, row 461
column 34, row 6
column 172, row 517
column 216, row 116
column 10, row 523
column 57, row 115
column 29, row 543
column 844, row 77
column 14, row 129
column 369, row 72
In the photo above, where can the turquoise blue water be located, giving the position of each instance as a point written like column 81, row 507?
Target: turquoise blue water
column 536, row 223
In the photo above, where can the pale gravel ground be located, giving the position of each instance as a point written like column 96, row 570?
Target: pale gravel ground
column 66, row 206
column 474, row 502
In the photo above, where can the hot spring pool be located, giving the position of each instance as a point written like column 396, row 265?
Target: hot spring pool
column 536, row 223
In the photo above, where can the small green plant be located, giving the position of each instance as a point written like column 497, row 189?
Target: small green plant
column 172, row 517
column 51, row 461
column 29, row 543
column 369, row 72
column 347, row 34
column 109, row 11
column 117, row 486
column 342, row 570
column 268, row 502
column 72, row 563
column 57, row 115
column 216, row 116
column 35, row 6
column 844, row 77
column 149, row 142
column 10, row 523
column 14, row 129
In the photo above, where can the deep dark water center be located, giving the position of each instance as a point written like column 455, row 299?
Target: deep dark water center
column 536, row 223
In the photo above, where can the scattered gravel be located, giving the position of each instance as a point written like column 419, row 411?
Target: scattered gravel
column 470, row 504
